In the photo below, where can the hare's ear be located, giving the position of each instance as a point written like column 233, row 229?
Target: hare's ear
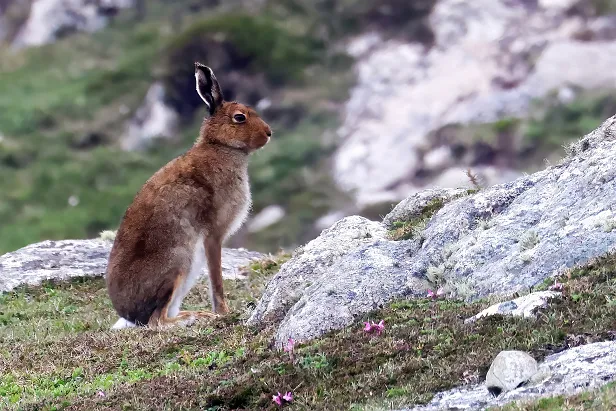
column 208, row 87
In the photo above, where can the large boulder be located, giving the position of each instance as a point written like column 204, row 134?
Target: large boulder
column 499, row 240
column 60, row 260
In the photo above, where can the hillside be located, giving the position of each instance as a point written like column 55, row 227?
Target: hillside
column 431, row 352
column 99, row 97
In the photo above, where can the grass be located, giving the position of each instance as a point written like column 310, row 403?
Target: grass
column 59, row 354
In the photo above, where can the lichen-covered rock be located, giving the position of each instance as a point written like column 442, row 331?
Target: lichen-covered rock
column 509, row 370
column 524, row 306
column 350, row 268
column 500, row 240
column 414, row 206
column 570, row 372
column 61, row 260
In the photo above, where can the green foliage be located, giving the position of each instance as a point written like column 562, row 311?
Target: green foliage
column 562, row 123
column 412, row 228
column 256, row 44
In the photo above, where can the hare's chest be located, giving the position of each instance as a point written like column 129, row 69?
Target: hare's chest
column 238, row 206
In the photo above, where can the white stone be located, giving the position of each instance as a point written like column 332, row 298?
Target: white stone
column 524, row 306
column 154, row 119
column 61, row 260
column 270, row 215
column 404, row 92
column 509, row 370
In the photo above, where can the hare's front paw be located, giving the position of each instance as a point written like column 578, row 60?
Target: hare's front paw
column 221, row 308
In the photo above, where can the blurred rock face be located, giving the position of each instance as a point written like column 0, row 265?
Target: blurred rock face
column 489, row 60
column 50, row 19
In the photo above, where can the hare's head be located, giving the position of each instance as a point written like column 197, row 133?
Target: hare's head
column 231, row 123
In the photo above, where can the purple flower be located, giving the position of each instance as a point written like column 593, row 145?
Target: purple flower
column 440, row 292
column 290, row 345
column 379, row 327
column 100, row 394
column 431, row 294
column 556, row 286
column 277, row 399
column 288, row 397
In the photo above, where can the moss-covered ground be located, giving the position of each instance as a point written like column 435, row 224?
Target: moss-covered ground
column 56, row 351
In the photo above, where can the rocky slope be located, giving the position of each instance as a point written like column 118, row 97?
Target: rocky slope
column 503, row 239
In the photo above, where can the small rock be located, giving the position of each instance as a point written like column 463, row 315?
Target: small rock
column 510, row 370
column 520, row 307
column 270, row 215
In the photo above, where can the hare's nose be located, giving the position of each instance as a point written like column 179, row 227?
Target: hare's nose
column 268, row 131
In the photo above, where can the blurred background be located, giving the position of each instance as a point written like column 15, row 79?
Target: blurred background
column 370, row 101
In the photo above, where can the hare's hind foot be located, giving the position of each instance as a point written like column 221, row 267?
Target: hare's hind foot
column 123, row 323
column 182, row 319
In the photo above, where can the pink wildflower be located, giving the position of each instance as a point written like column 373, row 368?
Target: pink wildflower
column 374, row 327
column 431, row 294
column 290, row 345
column 379, row 327
column 288, row 397
column 440, row 292
column 556, row 286
column 277, row 399
column 100, row 394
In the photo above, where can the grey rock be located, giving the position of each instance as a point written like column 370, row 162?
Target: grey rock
column 48, row 18
column 501, row 240
column 350, row 268
column 61, row 260
column 524, row 306
column 153, row 120
column 510, row 370
column 570, row 372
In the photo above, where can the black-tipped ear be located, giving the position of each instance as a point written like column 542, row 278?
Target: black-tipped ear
column 208, row 87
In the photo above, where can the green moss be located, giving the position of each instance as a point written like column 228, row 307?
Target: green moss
column 405, row 230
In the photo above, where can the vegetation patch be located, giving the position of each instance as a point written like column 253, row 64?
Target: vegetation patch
column 54, row 340
column 405, row 230
column 603, row 399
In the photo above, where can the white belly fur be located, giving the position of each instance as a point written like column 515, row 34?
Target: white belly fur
column 196, row 269
column 242, row 212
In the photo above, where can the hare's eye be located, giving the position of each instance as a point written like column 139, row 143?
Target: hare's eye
column 239, row 118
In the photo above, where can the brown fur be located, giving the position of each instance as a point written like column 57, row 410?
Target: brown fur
column 202, row 194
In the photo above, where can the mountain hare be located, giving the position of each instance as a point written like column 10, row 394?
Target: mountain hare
column 181, row 216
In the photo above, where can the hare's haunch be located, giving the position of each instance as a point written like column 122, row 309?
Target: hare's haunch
column 181, row 216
